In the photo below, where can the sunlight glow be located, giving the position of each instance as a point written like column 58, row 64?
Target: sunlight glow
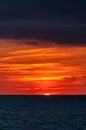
column 41, row 68
column 47, row 94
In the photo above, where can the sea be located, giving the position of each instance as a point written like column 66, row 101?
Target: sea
column 43, row 112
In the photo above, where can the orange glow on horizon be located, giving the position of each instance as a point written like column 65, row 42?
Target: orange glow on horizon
column 46, row 68
column 47, row 94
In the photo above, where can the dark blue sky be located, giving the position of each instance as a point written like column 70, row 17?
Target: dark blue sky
column 54, row 20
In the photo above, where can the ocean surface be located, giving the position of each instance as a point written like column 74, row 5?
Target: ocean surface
column 42, row 112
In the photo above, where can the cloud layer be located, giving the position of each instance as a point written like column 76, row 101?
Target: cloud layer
column 64, row 22
column 36, row 69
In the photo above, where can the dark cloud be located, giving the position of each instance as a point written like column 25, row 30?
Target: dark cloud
column 72, row 79
column 61, row 21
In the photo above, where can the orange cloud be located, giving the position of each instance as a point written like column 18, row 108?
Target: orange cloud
column 37, row 69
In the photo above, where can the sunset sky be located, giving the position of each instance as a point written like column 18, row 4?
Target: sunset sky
column 42, row 47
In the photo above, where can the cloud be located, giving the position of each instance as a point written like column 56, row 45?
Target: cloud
column 72, row 79
column 50, row 30
column 64, row 22
column 39, row 69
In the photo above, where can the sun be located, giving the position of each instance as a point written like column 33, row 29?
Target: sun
column 47, row 94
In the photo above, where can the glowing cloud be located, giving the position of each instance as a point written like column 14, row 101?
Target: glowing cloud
column 41, row 68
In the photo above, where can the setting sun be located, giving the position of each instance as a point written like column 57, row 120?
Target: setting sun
column 47, row 94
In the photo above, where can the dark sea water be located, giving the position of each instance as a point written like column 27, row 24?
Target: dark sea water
column 42, row 112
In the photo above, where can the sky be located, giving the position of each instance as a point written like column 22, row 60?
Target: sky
column 42, row 47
